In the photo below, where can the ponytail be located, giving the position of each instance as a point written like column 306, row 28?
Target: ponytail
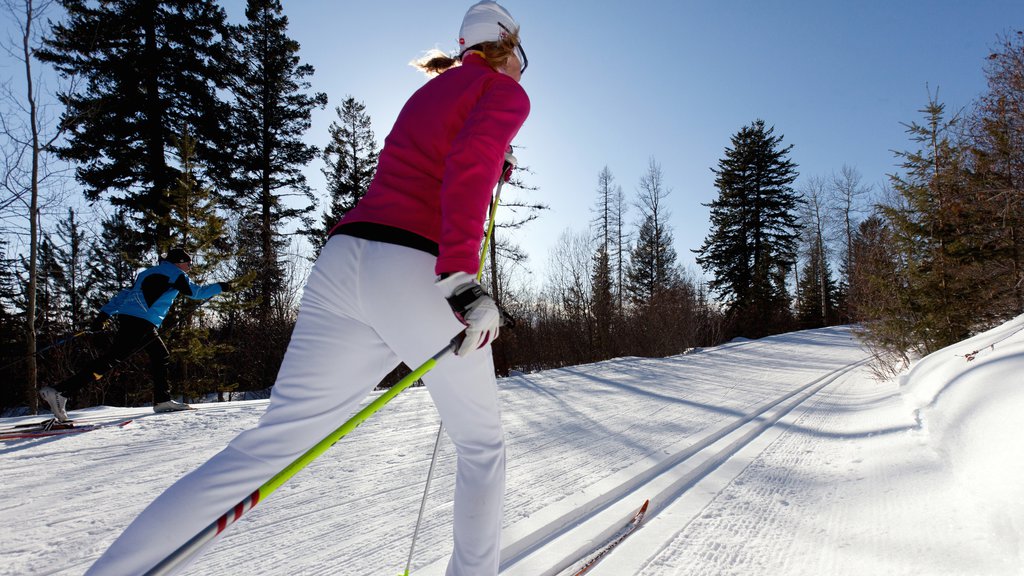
column 495, row 53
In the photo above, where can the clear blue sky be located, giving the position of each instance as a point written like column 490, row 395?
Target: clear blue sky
column 617, row 83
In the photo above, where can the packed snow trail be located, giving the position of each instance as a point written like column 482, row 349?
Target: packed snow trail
column 846, row 481
column 594, row 515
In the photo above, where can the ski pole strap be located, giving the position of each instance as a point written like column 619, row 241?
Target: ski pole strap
column 190, row 549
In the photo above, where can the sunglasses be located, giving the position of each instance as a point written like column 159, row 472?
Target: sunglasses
column 520, row 53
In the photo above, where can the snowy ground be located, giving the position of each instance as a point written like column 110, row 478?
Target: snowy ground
column 776, row 456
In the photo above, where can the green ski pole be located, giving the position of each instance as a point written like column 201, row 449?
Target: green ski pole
column 190, row 549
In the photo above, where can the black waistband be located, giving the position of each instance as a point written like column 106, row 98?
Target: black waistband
column 387, row 234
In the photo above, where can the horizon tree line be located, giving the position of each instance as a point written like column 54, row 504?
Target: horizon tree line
column 186, row 129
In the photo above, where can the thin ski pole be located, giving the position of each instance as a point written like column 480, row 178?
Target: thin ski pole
column 423, row 501
column 190, row 549
column 39, row 351
column 440, row 427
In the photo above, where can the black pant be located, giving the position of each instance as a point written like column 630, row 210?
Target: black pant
column 133, row 334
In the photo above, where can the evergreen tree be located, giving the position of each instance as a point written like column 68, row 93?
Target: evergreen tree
column 350, row 162
column 48, row 306
column 71, row 274
column 148, row 69
column 113, row 265
column 195, row 224
column 816, row 221
column 816, row 292
column 607, row 232
column 934, row 230
column 876, row 273
column 653, row 259
column 603, row 304
column 752, row 244
column 997, row 171
column 880, row 295
column 192, row 214
column 271, row 114
column 652, row 263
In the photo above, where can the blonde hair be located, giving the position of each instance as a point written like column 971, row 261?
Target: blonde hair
column 496, row 53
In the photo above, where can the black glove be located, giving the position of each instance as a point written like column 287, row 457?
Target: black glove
column 473, row 307
column 100, row 322
column 226, row 285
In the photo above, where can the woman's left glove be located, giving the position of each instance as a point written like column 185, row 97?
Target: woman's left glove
column 473, row 307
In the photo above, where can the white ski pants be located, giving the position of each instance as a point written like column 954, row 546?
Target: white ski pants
column 366, row 306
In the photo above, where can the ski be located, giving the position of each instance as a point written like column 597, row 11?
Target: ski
column 59, row 429
column 49, row 422
column 628, row 529
column 43, row 424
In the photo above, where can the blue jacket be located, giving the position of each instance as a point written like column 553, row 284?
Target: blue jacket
column 153, row 292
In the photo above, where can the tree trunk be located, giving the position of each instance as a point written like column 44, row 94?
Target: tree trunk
column 33, row 213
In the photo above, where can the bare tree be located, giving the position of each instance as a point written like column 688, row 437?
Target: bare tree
column 847, row 199
column 511, row 215
column 816, row 220
column 568, row 291
column 28, row 133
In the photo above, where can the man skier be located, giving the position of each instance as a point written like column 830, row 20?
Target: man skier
column 139, row 311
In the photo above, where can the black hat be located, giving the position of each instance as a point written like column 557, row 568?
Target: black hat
column 177, row 256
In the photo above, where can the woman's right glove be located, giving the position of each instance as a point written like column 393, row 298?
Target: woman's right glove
column 473, row 307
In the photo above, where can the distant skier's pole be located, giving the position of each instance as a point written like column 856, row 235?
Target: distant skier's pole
column 191, row 548
column 39, row 351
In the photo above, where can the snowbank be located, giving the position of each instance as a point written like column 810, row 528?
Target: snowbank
column 969, row 398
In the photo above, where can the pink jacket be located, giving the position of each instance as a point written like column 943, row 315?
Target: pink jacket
column 442, row 160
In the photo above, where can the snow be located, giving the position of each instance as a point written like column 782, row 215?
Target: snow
column 775, row 456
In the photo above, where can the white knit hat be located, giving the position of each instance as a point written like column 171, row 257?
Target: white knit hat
column 485, row 21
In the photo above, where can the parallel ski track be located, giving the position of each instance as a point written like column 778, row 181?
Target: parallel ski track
column 545, row 551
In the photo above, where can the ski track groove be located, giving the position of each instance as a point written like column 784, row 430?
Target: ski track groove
column 772, row 410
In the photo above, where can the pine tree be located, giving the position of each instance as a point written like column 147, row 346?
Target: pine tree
column 114, row 267
column 880, row 295
column 652, row 263
column 997, row 163
column 148, row 69
column 607, row 307
column 752, row 244
column 816, row 293
column 191, row 212
column 350, row 162
column 271, row 114
column 603, row 304
column 196, row 225
column 48, row 304
column 816, row 220
column 652, row 266
column 933, row 230
column 72, row 265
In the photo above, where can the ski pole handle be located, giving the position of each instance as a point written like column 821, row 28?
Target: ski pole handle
column 190, row 549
